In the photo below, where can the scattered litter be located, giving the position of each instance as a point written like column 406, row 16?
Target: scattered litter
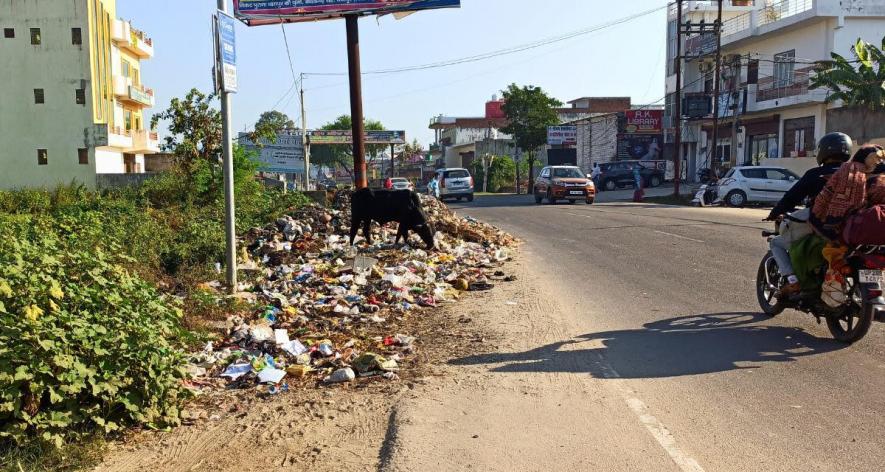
column 326, row 310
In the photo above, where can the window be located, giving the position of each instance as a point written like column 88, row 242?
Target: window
column 42, row 157
column 127, row 119
column 457, row 174
column 799, row 137
column 784, row 67
column 125, row 67
column 777, row 174
column 753, row 173
column 36, row 38
column 76, row 36
column 9, row 33
column 38, row 96
column 545, row 173
column 80, row 97
column 83, row 156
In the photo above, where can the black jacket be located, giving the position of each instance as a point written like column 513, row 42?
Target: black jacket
column 808, row 187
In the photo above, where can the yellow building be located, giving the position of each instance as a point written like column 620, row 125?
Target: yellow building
column 72, row 100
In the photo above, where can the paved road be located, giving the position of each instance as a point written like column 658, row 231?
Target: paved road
column 665, row 296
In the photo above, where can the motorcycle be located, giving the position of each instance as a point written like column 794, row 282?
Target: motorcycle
column 709, row 192
column 848, row 323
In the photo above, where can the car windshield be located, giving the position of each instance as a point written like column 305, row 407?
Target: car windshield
column 399, row 180
column 456, row 174
column 568, row 173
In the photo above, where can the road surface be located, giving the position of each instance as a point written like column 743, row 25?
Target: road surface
column 646, row 351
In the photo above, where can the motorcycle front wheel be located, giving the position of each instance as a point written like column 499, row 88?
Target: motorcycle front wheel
column 767, row 285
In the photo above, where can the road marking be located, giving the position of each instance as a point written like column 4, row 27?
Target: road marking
column 654, row 426
column 679, row 236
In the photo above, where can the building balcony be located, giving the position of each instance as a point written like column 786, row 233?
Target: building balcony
column 771, row 92
column 144, row 142
column 119, row 138
column 132, row 40
column 712, row 6
column 134, row 95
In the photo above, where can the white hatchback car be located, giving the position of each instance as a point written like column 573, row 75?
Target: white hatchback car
column 755, row 184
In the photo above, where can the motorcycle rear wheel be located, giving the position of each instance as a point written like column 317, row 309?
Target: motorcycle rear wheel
column 765, row 289
column 852, row 325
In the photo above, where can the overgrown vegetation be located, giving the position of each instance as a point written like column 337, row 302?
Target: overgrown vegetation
column 88, row 343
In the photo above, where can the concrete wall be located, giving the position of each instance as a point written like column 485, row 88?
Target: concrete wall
column 110, row 181
column 862, row 125
column 59, row 125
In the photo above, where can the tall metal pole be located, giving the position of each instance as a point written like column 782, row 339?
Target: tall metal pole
column 356, row 101
column 304, row 143
column 717, row 78
column 230, row 232
column 677, row 155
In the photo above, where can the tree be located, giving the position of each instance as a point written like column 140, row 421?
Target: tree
column 862, row 86
column 194, row 129
column 268, row 125
column 341, row 155
column 529, row 112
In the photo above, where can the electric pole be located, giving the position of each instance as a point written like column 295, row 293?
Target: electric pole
column 356, row 101
column 677, row 141
column 717, row 78
column 228, row 167
column 304, row 145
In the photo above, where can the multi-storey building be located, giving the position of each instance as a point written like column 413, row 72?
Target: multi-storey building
column 767, row 109
column 72, row 101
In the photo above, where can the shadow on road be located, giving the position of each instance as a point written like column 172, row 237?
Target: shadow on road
column 674, row 347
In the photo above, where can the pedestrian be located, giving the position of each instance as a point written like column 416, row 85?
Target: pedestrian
column 433, row 187
column 595, row 173
column 388, row 183
column 639, row 194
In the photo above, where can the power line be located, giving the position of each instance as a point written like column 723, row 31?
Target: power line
column 506, row 51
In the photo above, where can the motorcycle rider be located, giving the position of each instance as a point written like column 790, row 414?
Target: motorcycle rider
column 834, row 149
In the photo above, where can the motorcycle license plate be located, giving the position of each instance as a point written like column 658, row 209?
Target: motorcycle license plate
column 872, row 277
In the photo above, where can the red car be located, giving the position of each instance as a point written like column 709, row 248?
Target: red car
column 564, row 183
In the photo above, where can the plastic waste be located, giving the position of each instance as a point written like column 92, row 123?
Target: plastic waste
column 341, row 375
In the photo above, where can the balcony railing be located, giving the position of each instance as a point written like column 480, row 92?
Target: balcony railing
column 774, row 88
column 783, row 9
column 737, row 24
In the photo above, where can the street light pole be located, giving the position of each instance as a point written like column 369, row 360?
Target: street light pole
column 304, row 144
column 677, row 155
column 228, row 166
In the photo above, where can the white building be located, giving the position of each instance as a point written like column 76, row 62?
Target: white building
column 72, row 99
column 768, row 50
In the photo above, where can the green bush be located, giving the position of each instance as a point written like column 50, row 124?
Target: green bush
column 85, row 345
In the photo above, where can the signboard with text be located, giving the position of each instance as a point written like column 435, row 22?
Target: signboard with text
column 644, row 121
column 562, row 135
column 285, row 155
column 346, row 137
column 256, row 12
column 227, row 51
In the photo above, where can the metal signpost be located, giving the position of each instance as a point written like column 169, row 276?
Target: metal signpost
column 226, row 83
column 264, row 12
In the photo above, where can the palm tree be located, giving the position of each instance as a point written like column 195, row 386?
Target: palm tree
column 862, row 86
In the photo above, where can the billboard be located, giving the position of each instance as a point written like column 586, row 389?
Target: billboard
column 562, row 135
column 346, row 137
column 275, row 11
column 644, row 122
column 642, row 147
column 286, row 155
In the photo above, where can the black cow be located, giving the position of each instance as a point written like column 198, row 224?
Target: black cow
column 384, row 206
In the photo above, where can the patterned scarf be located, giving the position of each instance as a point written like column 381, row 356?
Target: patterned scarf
column 876, row 190
column 845, row 193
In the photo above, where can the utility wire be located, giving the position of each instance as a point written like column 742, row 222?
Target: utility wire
column 506, row 51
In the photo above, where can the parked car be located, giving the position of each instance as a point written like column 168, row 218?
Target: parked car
column 615, row 175
column 400, row 183
column 745, row 184
column 455, row 183
column 564, row 183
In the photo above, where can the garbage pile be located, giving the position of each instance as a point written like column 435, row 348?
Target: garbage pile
column 329, row 312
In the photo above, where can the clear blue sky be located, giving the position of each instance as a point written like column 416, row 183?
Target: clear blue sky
column 624, row 60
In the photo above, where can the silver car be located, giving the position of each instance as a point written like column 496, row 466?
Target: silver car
column 455, row 183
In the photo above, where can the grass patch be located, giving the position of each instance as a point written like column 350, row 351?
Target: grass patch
column 40, row 457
